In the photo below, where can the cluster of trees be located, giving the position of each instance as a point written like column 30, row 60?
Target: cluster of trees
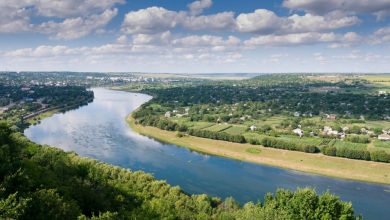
column 358, row 154
column 40, row 182
column 280, row 97
column 217, row 135
column 28, row 99
column 161, row 123
column 286, row 145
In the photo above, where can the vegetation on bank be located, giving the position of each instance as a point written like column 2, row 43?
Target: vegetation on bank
column 346, row 118
column 41, row 182
column 25, row 104
column 359, row 170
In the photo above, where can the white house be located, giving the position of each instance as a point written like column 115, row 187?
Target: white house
column 167, row 114
column 297, row 114
column 298, row 131
column 329, row 131
column 384, row 137
column 253, row 128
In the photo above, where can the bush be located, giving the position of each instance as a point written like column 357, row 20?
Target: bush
column 280, row 144
column 380, row 156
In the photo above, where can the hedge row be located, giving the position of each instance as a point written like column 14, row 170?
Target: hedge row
column 217, row 135
column 378, row 156
column 281, row 144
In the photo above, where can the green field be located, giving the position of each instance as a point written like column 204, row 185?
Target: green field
column 218, row 127
column 339, row 143
column 236, row 129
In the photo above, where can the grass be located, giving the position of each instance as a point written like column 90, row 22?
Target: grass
column 378, row 79
column 201, row 125
column 253, row 150
column 218, row 127
column 381, row 145
column 42, row 116
column 313, row 163
column 236, row 129
column 303, row 140
column 339, row 143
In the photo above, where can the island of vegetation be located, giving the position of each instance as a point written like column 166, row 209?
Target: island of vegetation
column 310, row 123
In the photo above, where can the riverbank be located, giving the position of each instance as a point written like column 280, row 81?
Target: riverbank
column 312, row 163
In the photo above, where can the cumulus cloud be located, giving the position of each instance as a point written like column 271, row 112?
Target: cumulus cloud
column 197, row 7
column 261, row 20
column 157, row 19
column 150, row 20
column 321, row 7
column 73, row 28
column 301, row 39
column 214, row 43
column 66, row 19
column 265, row 22
column 219, row 21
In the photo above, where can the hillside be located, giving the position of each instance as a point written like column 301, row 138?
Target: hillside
column 48, row 183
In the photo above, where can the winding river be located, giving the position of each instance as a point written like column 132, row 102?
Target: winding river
column 99, row 130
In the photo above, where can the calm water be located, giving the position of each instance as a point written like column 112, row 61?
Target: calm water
column 99, row 131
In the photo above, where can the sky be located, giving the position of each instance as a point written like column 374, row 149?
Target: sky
column 195, row 36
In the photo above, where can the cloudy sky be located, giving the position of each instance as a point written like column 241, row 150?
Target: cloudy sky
column 190, row 36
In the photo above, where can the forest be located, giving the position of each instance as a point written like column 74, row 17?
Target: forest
column 41, row 182
column 21, row 101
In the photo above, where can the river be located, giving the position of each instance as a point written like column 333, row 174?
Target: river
column 99, row 131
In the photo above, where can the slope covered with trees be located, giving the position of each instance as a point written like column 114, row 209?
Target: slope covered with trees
column 40, row 182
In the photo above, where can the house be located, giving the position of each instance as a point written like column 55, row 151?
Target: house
column 167, row 114
column 363, row 131
column 297, row 114
column 331, row 116
column 329, row 131
column 298, row 131
column 253, row 128
column 384, row 137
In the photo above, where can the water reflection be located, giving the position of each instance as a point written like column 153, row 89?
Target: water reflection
column 100, row 131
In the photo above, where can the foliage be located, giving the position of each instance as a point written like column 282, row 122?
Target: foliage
column 40, row 182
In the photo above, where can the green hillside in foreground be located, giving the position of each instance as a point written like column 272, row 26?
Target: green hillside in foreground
column 41, row 182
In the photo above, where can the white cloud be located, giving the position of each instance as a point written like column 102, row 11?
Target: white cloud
column 150, row 20
column 309, row 22
column 262, row 20
column 214, row 42
column 381, row 35
column 73, row 28
column 219, row 21
column 301, row 39
column 160, row 38
column 265, row 21
column 66, row 19
column 197, row 7
column 157, row 19
column 377, row 7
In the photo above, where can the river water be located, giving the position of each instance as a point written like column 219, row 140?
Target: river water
column 99, row 131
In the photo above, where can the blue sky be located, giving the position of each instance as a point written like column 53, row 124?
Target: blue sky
column 195, row 36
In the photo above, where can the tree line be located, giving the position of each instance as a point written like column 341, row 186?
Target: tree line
column 357, row 154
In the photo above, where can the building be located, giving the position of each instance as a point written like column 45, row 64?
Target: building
column 297, row 114
column 384, row 137
column 331, row 116
column 167, row 114
column 253, row 128
column 298, row 131
column 329, row 131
